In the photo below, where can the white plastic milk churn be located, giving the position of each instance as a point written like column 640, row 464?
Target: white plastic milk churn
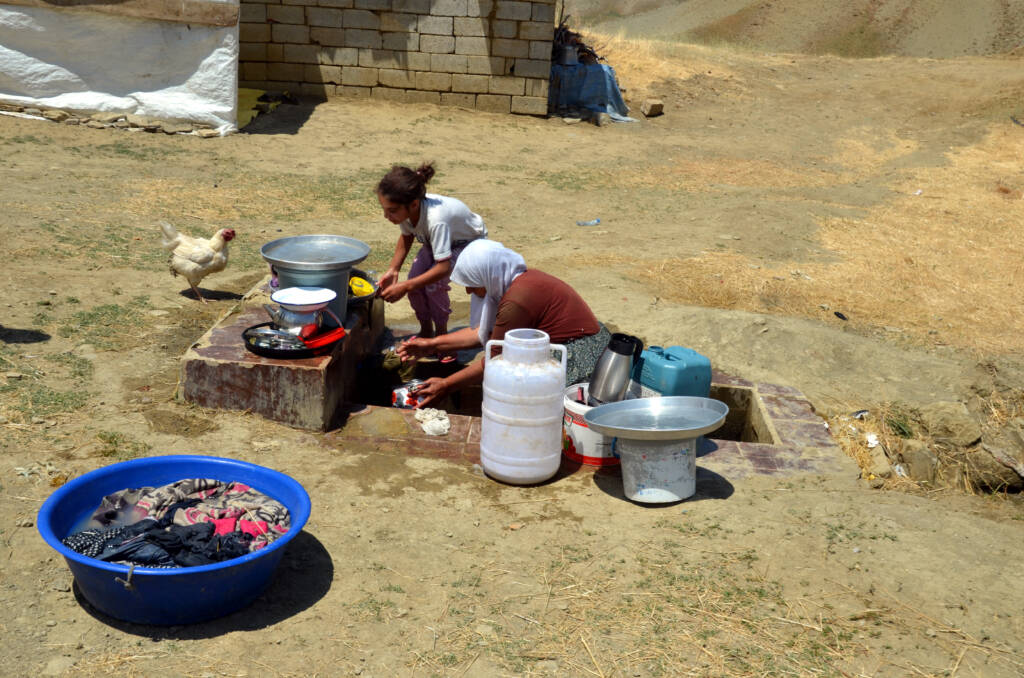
column 521, row 416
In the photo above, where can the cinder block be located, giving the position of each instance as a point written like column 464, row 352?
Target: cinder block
column 652, row 107
column 457, row 99
column 328, row 17
column 478, row 84
column 506, row 84
column 250, row 84
column 417, row 61
column 511, row 9
column 388, row 94
column 437, row 44
column 510, row 48
column 328, row 37
column 420, row 97
column 275, row 52
column 532, row 68
column 530, row 105
column 294, row 72
column 543, row 12
column 400, row 79
column 405, row 42
column 481, row 8
column 361, row 18
column 281, row 14
column 357, row 37
column 339, row 56
column 300, row 54
column 254, row 32
column 501, row 28
column 536, row 30
column 537, row 88
column 448, row 63
column 374, row 5
column 314, row 90
column 379, row 58
column 449, row 7
column 404, row 23
column 339, row 4
column 434, row 25
column 303, row 3
column 249, row 11
column 354, row 92
column 494, row 103
column 472, row 46
column 323, row 74
column 252, row 71
column 281, row 85
column 441, row 82
column 252, row 51
column 287, row 33
column 356, row 75
column 412, row 6
column 486, row 65
column 540, row 49
column 474, row 26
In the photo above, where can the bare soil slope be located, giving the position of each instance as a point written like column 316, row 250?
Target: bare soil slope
column 861, row 28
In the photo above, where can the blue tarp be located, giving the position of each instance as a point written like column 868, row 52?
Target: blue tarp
column 586, row 86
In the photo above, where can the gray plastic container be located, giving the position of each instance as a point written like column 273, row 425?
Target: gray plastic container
column 316, row 261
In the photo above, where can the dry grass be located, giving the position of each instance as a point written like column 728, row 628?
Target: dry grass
column 942, row 261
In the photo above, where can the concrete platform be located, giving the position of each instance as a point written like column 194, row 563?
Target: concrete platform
column 311, row 393
column 776, row 431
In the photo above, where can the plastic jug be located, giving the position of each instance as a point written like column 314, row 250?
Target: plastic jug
column 521, row 414
column 670, row 371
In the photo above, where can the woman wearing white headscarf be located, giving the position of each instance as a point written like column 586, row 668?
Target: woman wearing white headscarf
column 506, row 295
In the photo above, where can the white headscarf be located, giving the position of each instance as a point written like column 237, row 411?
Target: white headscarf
column 491, row 265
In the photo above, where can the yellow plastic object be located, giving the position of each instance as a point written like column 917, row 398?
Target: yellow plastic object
column 359, row 287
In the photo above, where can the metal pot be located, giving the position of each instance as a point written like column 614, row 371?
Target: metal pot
column 294, row 322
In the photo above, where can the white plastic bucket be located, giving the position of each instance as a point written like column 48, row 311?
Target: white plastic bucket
column 521, row 413
column 579, row 442
column 658, row 471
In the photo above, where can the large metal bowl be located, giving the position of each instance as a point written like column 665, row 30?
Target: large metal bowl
column 665, row 418
column 315, row 252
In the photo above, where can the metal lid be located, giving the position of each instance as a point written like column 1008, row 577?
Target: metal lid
column 315, row 252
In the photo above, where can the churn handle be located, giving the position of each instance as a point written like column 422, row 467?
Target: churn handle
column 487, row 348
column 565, row 354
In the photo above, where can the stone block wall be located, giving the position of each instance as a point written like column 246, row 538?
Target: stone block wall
column 493, row 55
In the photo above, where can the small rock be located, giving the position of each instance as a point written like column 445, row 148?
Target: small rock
column 107, row 117
column 880, row 465
column 38, row 420
column 24, row 522
column 952, row 422
column 56, row 116
column 72, row 121
column 207, row 133
column 177, row 127
column 14, row 375
column 920, row 462
column 95, row 124
column 33, row 111
column 51, row 623
column 652, row 107
column 515, row 526
column 571, row 121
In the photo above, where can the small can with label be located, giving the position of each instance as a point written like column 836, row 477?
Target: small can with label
column 404, row 396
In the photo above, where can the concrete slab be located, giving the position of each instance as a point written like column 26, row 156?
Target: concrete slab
column 311, row 393
column 786, row 439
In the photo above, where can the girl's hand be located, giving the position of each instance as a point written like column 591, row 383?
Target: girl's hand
column 413, row 348
column 386, row 280
column 431, row 390
column 393, row 292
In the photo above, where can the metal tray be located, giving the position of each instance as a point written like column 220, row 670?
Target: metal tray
column 257, row 347
column 665, row 418
column 315, row 252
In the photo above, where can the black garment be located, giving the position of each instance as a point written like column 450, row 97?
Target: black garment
column 148, row 543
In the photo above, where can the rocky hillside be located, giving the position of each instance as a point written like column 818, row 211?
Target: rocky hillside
column 853, row 28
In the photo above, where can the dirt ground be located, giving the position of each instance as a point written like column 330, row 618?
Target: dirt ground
column 776, row 190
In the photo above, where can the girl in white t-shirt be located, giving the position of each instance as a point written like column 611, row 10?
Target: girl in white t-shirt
column 443, row 225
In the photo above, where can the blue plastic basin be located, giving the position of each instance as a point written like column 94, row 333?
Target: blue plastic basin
column 177, row 596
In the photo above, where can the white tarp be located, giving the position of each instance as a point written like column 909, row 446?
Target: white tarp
column 82, row 61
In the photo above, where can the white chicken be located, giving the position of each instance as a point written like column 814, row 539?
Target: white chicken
column 196, row 258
